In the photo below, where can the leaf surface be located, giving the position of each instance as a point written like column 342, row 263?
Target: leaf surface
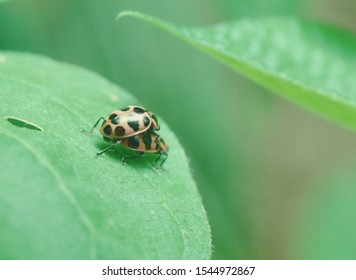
column 58, row 200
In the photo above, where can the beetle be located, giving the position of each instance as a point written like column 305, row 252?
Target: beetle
column 145, row 142
column 125, row 122
column 135, row 128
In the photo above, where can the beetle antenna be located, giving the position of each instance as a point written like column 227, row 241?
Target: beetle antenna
column 90, row 132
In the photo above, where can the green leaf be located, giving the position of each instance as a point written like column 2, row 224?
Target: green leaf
column 308, row 63
column 326, row 226
column 58, row 200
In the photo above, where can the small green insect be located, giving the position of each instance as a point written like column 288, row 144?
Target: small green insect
column 134, row 128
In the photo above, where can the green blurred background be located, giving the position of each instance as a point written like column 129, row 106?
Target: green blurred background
column 277, row 182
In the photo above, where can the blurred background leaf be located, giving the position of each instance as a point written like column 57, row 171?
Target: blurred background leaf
column 252, row 166
column 308, row 63
column 326, row 227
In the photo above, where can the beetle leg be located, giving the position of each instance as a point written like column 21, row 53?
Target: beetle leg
column 141, row 154
column 159, row 157
column 90, row 132
column 108, row 148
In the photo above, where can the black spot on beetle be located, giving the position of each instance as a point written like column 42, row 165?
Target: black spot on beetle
column 107, row 129
column 147, row 140
column 146, row 121
column 133, row 142
column 133, row 124
column 119, row 131
column 139, row 110
column 125, row 109
column 115, row 120
column 112, row 116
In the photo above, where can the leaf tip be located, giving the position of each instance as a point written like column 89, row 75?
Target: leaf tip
column 128, row 13
column 144, row 17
